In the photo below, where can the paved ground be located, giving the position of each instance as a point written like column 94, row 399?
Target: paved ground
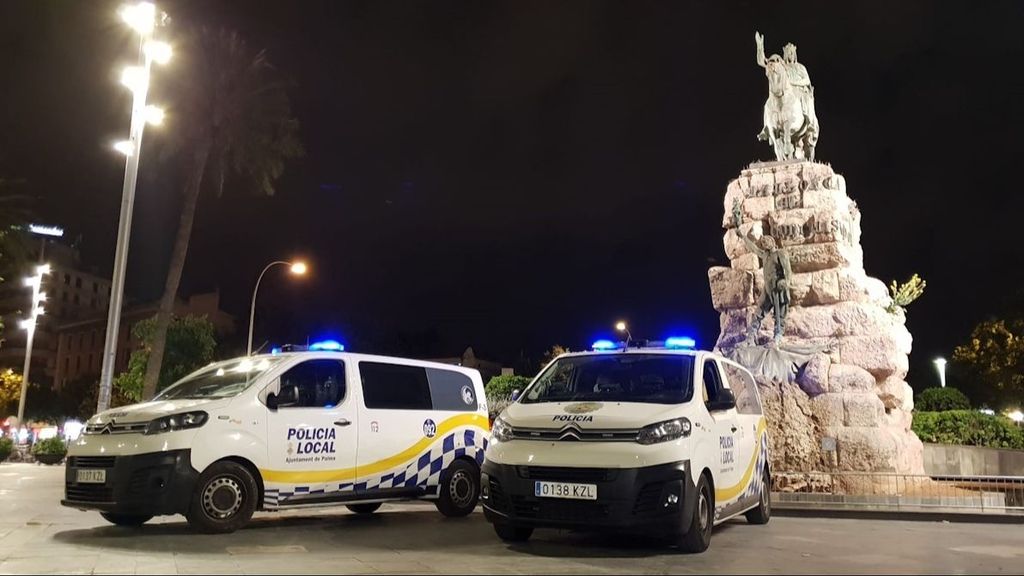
column 37, row 535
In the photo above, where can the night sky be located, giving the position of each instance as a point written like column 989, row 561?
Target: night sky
column 512, row 175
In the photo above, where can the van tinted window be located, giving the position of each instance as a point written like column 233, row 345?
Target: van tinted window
column 744, row 388
column 647, row 378
column 313, row 384
column 395, row 387
column 451, row 390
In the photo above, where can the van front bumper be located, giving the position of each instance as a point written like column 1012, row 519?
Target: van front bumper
column 141, row 484
column 653, row 498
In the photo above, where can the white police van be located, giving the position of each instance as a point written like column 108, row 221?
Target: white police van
column 660, row 438
column 294, row 429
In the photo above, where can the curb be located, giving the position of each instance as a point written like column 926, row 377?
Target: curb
column 952, row 517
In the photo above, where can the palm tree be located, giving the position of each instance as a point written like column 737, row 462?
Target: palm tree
column 234, row 115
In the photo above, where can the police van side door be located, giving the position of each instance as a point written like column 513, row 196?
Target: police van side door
column 311, row 434
column 752, row 440
column 724, row 428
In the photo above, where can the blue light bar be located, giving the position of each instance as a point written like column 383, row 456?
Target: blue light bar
column 327, row 346
column 604, row 345
column 680, row 342
column 275, row 350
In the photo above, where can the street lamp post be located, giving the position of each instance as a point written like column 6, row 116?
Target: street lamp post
column 143, row 18
column 29, row 325
column 940, row 365
column 621, row 327
column 297, row 268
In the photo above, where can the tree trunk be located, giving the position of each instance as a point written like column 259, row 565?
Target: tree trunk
column 163, row 318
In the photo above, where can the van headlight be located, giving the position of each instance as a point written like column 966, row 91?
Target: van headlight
column 501, row 431
column 174, row 422
column 664, row 431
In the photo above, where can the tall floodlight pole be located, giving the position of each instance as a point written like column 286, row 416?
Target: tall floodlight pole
column 940, row 365
column 29, row 325
column 143, row 18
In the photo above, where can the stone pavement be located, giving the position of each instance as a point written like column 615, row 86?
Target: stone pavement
column 37, row 535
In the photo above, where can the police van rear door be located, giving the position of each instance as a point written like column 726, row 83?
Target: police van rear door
column 312, row 435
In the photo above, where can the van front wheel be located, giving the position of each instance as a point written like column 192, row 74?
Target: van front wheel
column 459, row 489
column 224, row 499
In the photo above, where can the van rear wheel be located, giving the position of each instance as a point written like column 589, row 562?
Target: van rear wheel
column 459, row 489
column 132, row 520
column 224, row 499
column 763, row 513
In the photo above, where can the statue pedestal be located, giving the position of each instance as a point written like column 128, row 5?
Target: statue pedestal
column 845, row 405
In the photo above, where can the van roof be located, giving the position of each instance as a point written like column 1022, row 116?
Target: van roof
column 357, row 357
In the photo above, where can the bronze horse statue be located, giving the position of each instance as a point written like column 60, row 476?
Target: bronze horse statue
column 790, row 124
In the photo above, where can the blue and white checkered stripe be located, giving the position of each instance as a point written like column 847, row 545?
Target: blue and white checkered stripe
column 754, row 488
column 424, row 470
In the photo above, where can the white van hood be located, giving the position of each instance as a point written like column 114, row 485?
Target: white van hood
column 588, row 415
column 147, row 411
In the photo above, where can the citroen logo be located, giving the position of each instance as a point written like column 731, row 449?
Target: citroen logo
column 107, row 428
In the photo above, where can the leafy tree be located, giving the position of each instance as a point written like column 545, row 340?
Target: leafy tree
column 990, row 366
column 500, row 387
column 555, row 351
column 940, row 400
column 10, row 390
column 235, row 116
column 190, row 345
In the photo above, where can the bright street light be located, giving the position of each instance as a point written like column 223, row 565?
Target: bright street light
column 940, row 365
column 297, row 268
column 29, row 326
column 621, row 327
column 1017, row 416
column 160, row 52
column 143, row 18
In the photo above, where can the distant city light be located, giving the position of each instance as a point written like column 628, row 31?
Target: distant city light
column 154, row 115
column 1017, row 416
column 141, row 17
column 135, row 78
column 56, row 231
column 160, row 52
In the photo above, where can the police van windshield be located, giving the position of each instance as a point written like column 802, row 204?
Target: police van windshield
column 222, row 380
column 647, row 378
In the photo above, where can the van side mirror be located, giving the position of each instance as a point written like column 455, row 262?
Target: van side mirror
column 726, row 401
column 272, row 401
column 515, row 395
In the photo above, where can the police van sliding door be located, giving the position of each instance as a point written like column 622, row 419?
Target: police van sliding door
column 312, row 435
column 724, row 427
column 408, row 418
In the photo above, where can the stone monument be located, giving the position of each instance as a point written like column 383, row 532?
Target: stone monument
column 830, row 360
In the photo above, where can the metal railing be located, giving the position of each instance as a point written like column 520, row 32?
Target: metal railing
column 901, row 492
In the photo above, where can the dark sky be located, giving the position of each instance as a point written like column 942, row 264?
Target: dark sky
column 511, row 175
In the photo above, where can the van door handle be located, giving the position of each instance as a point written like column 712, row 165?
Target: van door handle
column 342, row 422
column 733, row 428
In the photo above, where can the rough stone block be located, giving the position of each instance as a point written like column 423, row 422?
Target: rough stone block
column 786, row 182
column 732, row 194
column 761, row 183
column 862, row 409
column 828, row 409
column 865, row 449
column 825, row 255
column 813, row 376
column 848, row 378
column 880, row 354
column 733, row 242
column 758, row 208
column 746, row 262
column 731, row 288
column 896, row 394
column 814, row 174
column 863, row 318
column 824, row 288
column 825, row 199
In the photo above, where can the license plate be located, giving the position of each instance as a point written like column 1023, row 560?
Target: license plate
column 565, row 490
column 91, row 476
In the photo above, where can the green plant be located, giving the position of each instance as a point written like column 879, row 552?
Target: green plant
column 940, row 400
column 989, row 367
column 6, row 447
column 969, row 428
column 54, row 446
column 903, row 294
column 502, row 386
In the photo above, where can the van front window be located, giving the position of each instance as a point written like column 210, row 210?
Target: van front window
column 221, row 380
column 646, row 378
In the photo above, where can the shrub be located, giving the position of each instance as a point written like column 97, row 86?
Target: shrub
column 54, row 446
column 502, row 386
column 969, row 428
column 940, row 400
column 6, row 447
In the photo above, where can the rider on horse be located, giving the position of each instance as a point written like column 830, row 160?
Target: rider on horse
column 797, row 74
